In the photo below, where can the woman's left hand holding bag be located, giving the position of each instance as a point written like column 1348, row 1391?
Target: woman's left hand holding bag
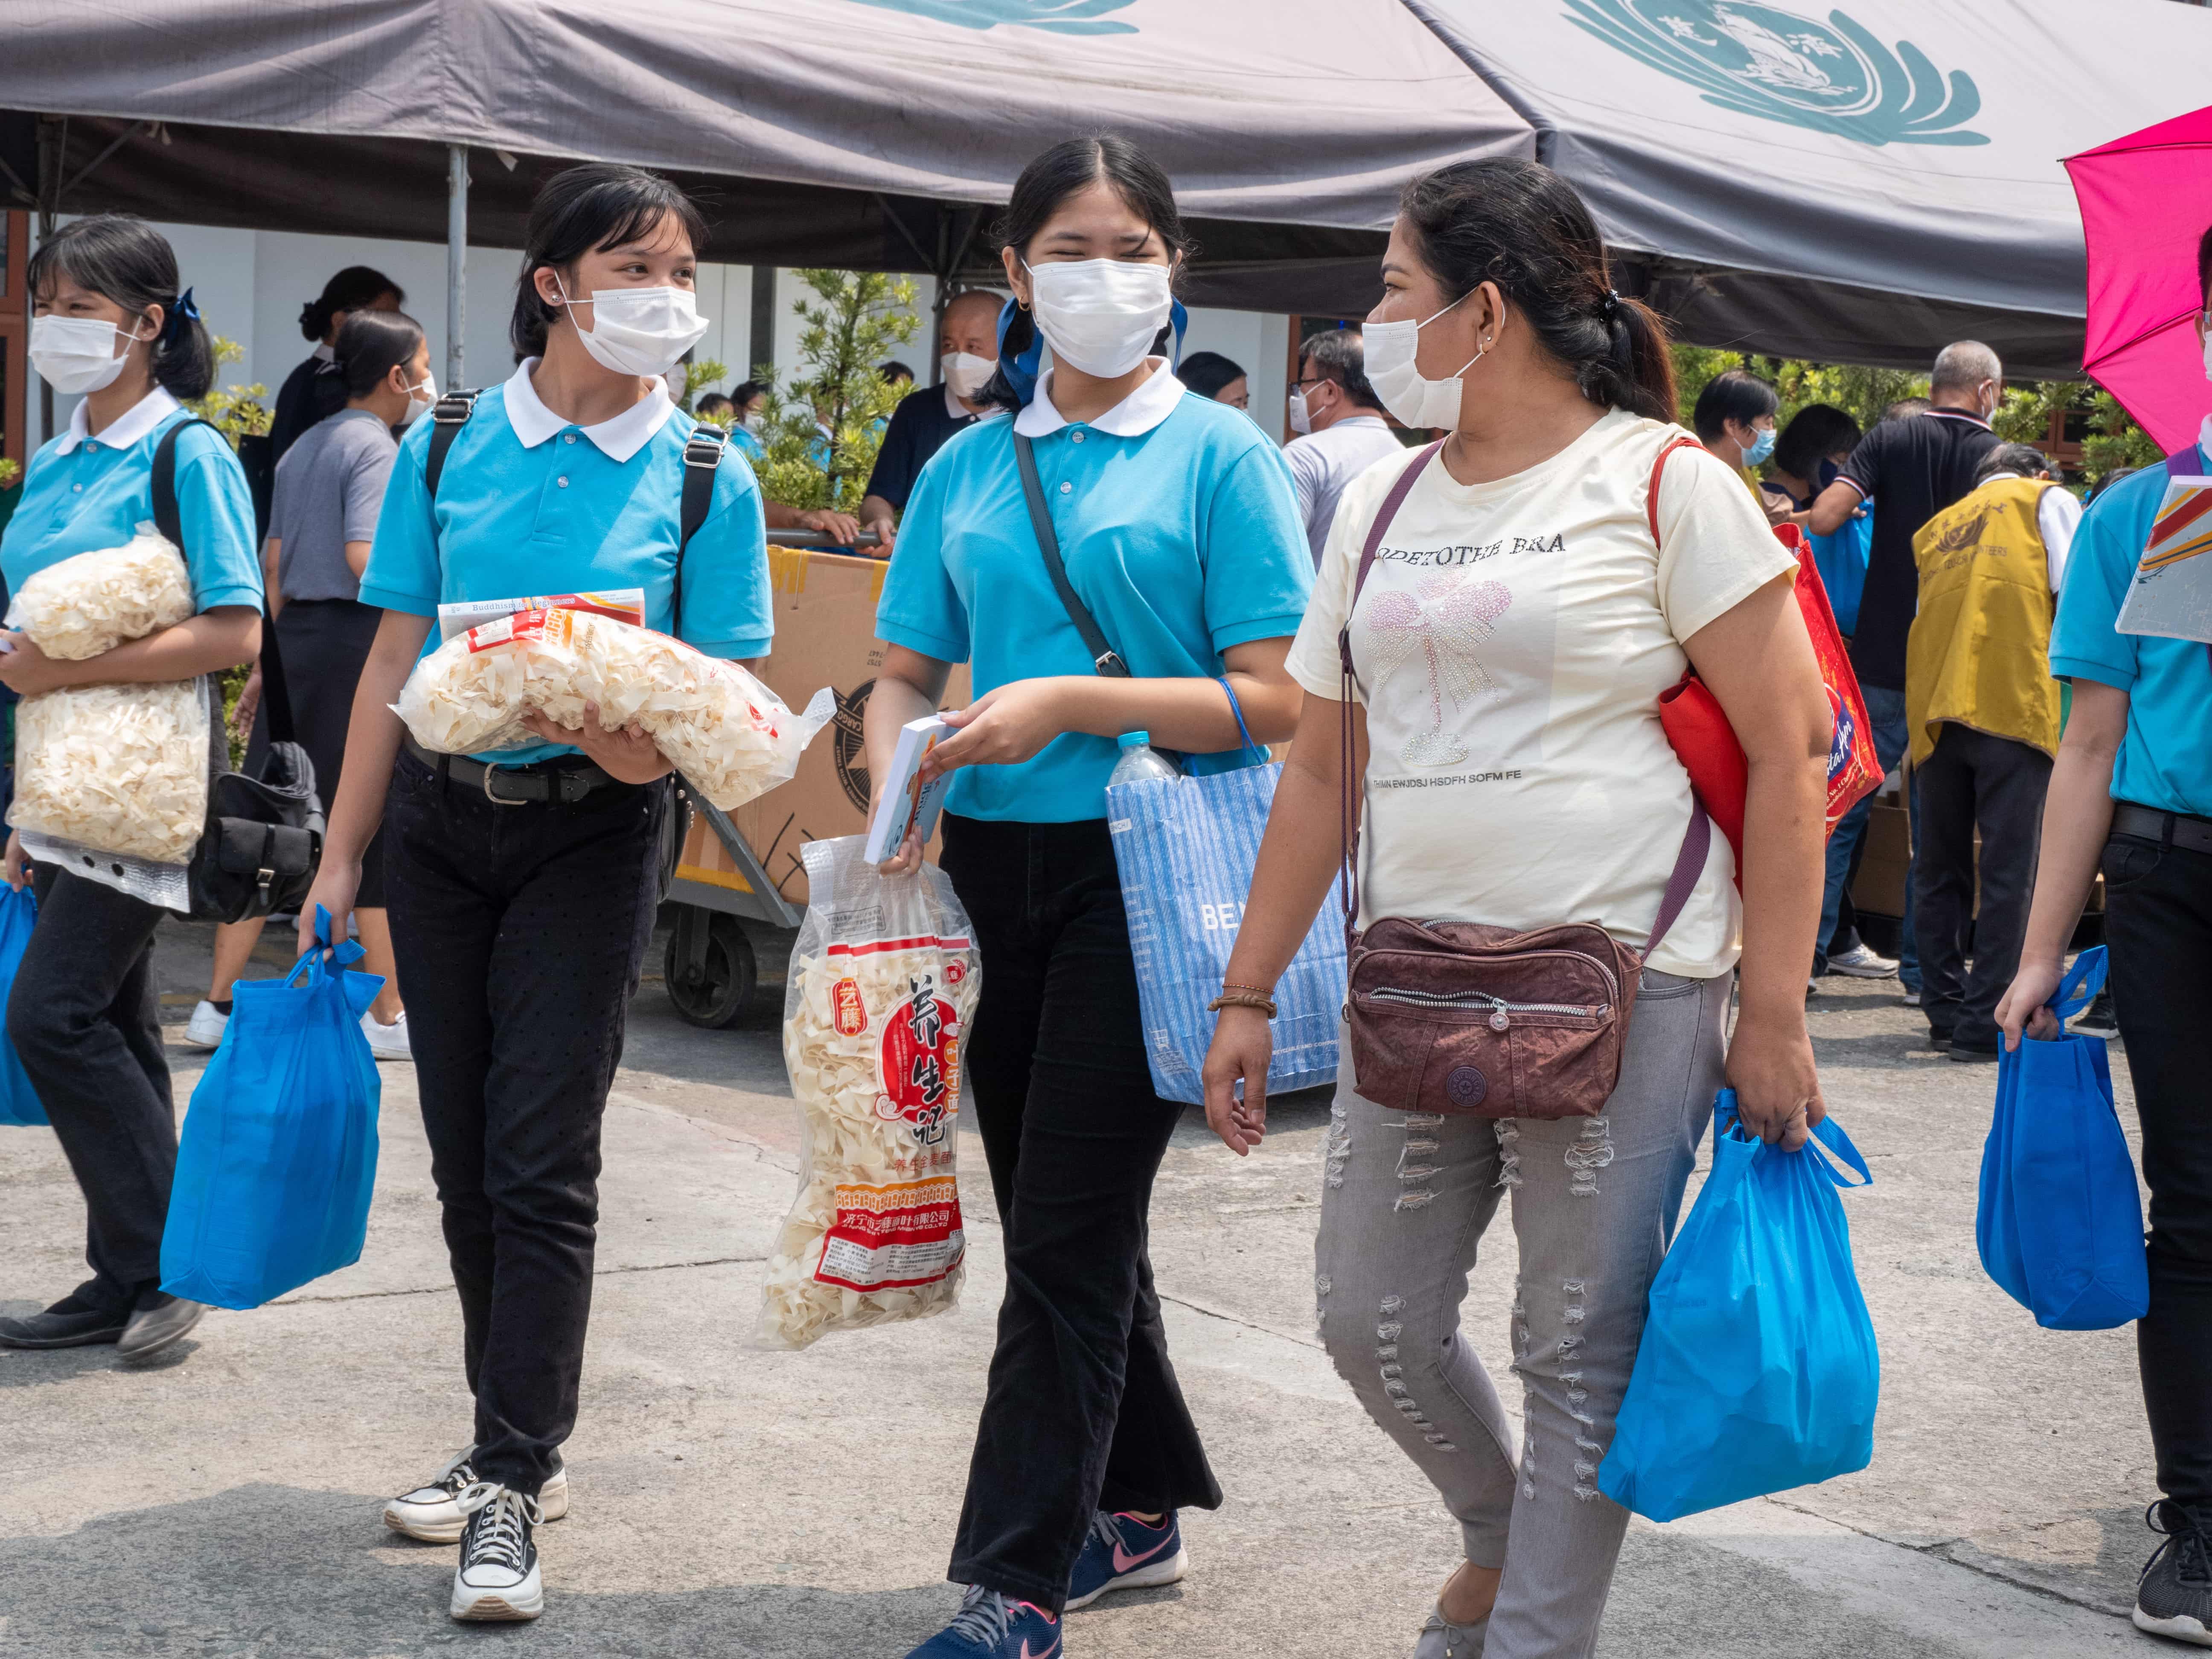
column 1778, row 1088
column 625, row 753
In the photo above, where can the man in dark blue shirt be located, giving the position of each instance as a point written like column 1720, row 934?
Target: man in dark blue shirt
column 968, row 353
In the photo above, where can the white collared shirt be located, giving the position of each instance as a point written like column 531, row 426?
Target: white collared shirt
column 324, row 354
column 617, row 439
column 2058, row 514
column 127, row 429
column 1152, row 402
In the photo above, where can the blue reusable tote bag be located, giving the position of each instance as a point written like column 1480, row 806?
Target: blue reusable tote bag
column 19, row 913
column 1758, row 1370
column 278, row 1152
column 1185, row 848
column 2060, row 1222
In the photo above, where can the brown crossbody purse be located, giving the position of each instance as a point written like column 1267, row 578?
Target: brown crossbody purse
column 1467, row 1019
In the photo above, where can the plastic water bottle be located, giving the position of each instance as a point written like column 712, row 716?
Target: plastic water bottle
column 1141, row 761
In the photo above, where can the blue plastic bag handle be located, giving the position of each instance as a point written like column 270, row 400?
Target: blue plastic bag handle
column 311, row 963
column 1829, row 1133
column 2082, row 982
column 1237, row 709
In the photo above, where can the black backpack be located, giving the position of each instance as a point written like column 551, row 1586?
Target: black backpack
column 264, row 829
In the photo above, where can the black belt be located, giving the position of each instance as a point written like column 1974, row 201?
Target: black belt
column 518, row 785
column 2166, row 828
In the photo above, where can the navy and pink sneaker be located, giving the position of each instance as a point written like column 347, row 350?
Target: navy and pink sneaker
column 990, row 1625
column 1122, row 1552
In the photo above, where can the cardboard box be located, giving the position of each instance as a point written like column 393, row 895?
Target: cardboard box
column 825, row 628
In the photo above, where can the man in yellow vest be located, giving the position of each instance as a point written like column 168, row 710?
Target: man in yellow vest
column 1984, row 714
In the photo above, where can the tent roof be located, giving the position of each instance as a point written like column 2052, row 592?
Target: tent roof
column 1857, row 185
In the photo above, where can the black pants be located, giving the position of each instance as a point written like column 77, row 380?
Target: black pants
column 1083, row 1410
column 1974, row 780
column 325, row 644
column 2158, row 924
column 85, row 1022
column 519, row 933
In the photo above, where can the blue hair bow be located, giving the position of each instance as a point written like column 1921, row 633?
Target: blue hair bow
column 184, row 309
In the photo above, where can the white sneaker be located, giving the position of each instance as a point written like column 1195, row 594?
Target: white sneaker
column 205, row 1028
column 433, row 1514
column 498, row 1578
column 1860, row 962
column 386, row 1041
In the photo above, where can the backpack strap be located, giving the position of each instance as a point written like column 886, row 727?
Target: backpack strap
column 169, row 520
column 450, row 414
column 703, row 457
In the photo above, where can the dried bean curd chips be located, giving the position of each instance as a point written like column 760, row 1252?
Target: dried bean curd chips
column 120, row 769
column 728, row 733
column 882, row 987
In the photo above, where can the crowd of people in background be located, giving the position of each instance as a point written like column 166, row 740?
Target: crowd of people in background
column 1509, row 773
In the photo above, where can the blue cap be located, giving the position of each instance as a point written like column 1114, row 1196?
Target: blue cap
column 1136, row 739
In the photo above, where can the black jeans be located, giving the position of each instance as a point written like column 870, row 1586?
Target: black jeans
column 519, row 933
column 2158, row 925
column 1974, row 780
column 85, row 1022
column 1083, row 1410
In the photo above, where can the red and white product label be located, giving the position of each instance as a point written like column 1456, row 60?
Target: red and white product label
column 893, row 1238
column 523, row 628
column 918, row 1063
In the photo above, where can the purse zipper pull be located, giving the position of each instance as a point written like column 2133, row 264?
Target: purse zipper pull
column 1498, row 1020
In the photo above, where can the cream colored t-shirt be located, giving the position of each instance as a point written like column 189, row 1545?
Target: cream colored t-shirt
column 1511, row 647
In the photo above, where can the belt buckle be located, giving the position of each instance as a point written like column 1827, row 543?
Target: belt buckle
column 498, row 800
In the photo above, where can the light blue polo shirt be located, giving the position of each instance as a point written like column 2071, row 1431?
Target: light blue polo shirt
column 82, row 492
column 530, row 503
column 1179, row 531
column 2165, row 757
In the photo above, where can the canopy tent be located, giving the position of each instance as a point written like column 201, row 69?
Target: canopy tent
column 1860, row 183
column 1857, row 187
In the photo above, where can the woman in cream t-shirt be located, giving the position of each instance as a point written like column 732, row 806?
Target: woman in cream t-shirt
column 1510, row 649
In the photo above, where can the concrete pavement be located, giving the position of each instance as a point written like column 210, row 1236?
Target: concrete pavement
column 733, row 1501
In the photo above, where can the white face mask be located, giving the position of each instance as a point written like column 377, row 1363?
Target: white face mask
column 421, row 400
column 966, row 373
column 640, row 331
column 1100, row 315
column 77, row 354
column 1411, row 396
column 1301, row 411
column 754, row 423
column 2207, row 345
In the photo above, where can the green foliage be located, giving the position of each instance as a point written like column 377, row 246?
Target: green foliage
column 856, row 319
column 237, row 412
column 698, row 378
column 11, row 473
column 2111, row 440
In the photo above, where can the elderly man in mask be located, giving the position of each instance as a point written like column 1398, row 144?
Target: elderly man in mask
column 968, row 353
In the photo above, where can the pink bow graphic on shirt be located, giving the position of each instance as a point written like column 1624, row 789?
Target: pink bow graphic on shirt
column 1445, row 616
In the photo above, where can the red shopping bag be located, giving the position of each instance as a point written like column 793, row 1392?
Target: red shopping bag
column 1706, row 744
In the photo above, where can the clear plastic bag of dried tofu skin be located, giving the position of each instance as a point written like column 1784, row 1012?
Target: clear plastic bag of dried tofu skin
column 469, row 696
column 877, row 1010
column 118, row 768
column 86, row 604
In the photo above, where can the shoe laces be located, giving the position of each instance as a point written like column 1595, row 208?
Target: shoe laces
column 984, row 1617
column 456, row 1476
column 2188, row 1534
column 1103, row 1529
column 498, row 1522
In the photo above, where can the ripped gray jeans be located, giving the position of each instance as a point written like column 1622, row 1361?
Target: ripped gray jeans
column 1405, row 1201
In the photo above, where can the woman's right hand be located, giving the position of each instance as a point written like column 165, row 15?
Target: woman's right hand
column 2025, row 1005
column 249, row 702
column 908, row 858
column 1242, row 1045
column 335, row 886
column 13, row 865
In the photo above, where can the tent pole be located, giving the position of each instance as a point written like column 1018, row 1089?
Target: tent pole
column 457, row 262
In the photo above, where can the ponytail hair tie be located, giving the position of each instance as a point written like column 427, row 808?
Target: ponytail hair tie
column 183, row 312
column 1612, row 304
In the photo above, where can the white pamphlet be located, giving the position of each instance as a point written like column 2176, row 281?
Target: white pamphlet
column 908, row 805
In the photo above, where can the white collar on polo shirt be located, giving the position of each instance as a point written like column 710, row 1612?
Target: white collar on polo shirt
column 135, row 423
column 1136, row 414
column 617, row 439
column 324, row 354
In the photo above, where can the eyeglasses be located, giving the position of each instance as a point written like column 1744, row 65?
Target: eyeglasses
column 1313, row 380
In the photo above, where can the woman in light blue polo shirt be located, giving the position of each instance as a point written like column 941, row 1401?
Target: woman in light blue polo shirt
column 1179, row 530
column 2130, row 795
column 108, row 322
column 520, row 886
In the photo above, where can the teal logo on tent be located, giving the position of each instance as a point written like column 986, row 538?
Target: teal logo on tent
column 1761, row 60
column 1060, row 16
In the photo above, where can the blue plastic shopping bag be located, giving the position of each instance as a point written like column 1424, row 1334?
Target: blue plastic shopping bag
column 1185, row 847
column 19, row 913
column 1758, row 1370
column 278, row 1151
column 2060, row 1222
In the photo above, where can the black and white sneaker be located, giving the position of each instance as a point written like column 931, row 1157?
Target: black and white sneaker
column 2175, row 1597
column 497, row 1577
column 433, row 1513
column 2096, row 1019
